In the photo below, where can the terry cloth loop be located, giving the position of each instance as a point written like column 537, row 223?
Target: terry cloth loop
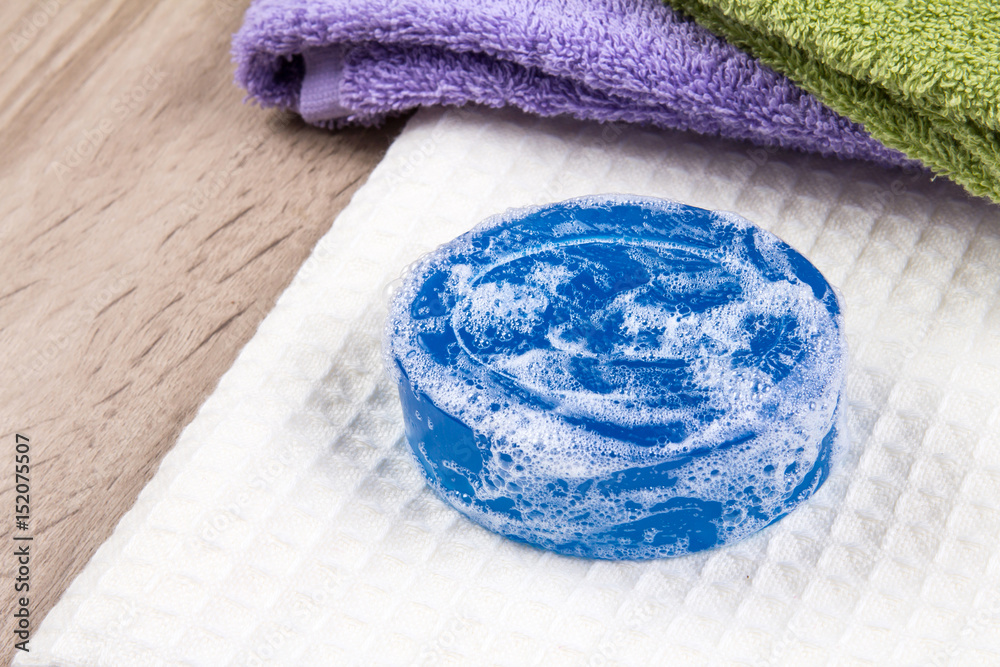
column 319, row 99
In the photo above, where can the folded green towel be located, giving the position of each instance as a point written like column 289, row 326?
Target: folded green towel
column 923, row 76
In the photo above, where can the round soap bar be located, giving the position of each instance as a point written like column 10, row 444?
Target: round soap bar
column 619, row 377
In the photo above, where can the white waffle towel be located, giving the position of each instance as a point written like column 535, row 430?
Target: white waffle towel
column 288, row 525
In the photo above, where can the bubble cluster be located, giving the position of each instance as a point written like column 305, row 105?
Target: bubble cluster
column 619, row 377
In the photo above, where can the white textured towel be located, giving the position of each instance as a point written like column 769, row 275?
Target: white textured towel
column 288, row 525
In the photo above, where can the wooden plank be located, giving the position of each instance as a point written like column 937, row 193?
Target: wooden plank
column 148, row 222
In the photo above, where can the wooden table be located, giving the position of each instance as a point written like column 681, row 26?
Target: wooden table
column 149, row 221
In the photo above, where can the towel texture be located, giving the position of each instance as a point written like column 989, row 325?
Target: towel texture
column 920, row 75
column 340, row 61
column 289, row 526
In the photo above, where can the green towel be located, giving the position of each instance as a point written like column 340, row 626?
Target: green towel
column 922, row 76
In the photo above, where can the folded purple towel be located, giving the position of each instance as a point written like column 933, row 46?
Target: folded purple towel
column 355, row 61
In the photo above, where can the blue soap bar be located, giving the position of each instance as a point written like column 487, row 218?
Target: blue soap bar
column 619, row 377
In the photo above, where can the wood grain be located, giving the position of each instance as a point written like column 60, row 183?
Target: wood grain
column 149, row 221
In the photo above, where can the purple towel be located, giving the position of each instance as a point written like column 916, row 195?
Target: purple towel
column 355, row 61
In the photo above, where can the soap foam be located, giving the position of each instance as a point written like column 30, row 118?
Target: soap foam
column 614, row 372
